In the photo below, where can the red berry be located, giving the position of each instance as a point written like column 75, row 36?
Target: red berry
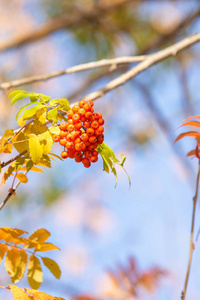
column 64, row 154
column 95, row 125
column 90, row 131
column 63, row 142
column 101, row 121
column 92, row 139
column 70, row 128
column 70, row 113
column 93, row 159
column 82, row 103
column 90, row 103
column 86, row 124
column 84, row 137
column 63, row 126
column 88, row 115
column 78, row 125
column 76, row 118
column 75, row 108
column 56, row 138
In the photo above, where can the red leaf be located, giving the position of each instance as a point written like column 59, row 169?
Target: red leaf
column 192, row 152
column 192, row 123
column 188, row 133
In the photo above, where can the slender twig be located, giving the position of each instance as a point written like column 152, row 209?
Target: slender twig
column 112, row 63
column 191, row 236
column 3, row 164
column 11, row 192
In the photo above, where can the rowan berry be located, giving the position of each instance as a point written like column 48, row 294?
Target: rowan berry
column 86, row 162
column 63, row 126
column 92, row 147
column 90, row 103
column 92, row 109
column 95, row 125
column 69, row 137
column 101, row 128
column 93, row 159
column 75, row 108
column 97, row 115
column 76, row 118
column 86, row 107
column 101, row 121
column 83, row 119
column 70, row 154
column 100, row 139
column 70, row 113
column 56, row 138
column 87, row 154
column 90, row 131
column 84, row 137
column 92, row 139
column 78, row 147
column 70, row 121
column 78, row 159
column 83, row 146
column 78, row 125
column 64, row 154
column 88, row 115
column 78, row 140
column 95, row 153
column 87, row 144
column 70, row 127
column 69, row 145
column 81, row 112
column 82, row 103
column 78, row 154
column 86, row 124
column 63, row 142
column 74, row 135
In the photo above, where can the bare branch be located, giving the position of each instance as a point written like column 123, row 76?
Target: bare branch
column 148, row 62
column 3, row 164
column 112, row 63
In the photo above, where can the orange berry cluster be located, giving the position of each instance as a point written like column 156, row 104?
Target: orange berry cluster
column 81, row 135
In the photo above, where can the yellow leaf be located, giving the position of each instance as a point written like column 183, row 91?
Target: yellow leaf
column 34, row 169
column 20, row 142
column 52, row 266
column 7, row 173
column 3, row 250
column 18, row 294
column 22, row 177
column 40, row 235
column 21, row 122
column 8, row 148
column 10, row 235
column 21, row 266
column 46, row 247
column 34, row 272
column 47, row 141
column 35, row 148
column 11, row 261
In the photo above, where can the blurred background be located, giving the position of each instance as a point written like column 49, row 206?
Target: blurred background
column 116, row 243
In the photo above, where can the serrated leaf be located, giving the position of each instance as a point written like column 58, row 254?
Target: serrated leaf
column 3, row 251
column 19, row 97
column 30, row 112
column 45, row 247
column 35, row 148
column 22, row 177
column 19, row 162
column 35, row 274
column 21, row 266
column 41, row 115
column 11, row 262
column 52, row 266
column 18, row 294
column 52, row 115
column 10, row 235
column 40, row 235
column 189, row 133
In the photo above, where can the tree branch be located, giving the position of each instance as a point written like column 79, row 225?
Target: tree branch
column 145, row 64
column 112, row 63
column 3, row 164
column 191, row 236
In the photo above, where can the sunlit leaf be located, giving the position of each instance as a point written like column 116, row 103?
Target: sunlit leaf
column 3, row 250
column 40, row 235
column 47, row 141
column 30, row 112
column 18, row 97
column 52, row 266
column 35, row 148
column 46, row 247
column 52, row 115
column 35, row 274
column 18, row 294
column 20, row 142
column 54, row 129
column 22, row 108
column 41, row 295
column 11, row 261
column 21, row 266
column 7, row 173
column 22, row 177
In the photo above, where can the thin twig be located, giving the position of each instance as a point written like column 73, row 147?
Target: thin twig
column 11, row 192
column 3, row 164
column 191, row 236
column 114, row 63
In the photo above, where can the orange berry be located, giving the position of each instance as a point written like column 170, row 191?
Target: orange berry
column 63, row 142
column 86, row 107
column 78, row 147
column 56, row 138
column 101, row 128
column 95, row 153
column 63, row 126
column 81, row 112
column 90, row 131
column 83, row 119
column 97, row 132
column 92, row 139
column 101, row 121
column 76, row 118
column 78, row 154
column 87, row 154
column 78, row 159
column 92, row 147
column 97, row 115
column 90, row 103
column 75, row 108
column 69, row 145
column 70, row 113
column 93, row 159
column 78, row 125
column 83, row 146
column 69, row 137
column 71, row 154
column 100, row 139
column 95, row 125
column 87, row 144
column 88, row 115
column 74, row 135
column 84, row 137
column 64, row 154
column 63, row 134
column 70, row 127
column 78, row 140
column 86, row 124
column 70, row 121
column 86, row 162
column 82, row 103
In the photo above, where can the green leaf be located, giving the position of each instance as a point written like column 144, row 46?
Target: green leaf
column 22, row 108
column 35, row 148
column 30, row 112
column 35, row 275
column 19, row 97
column 29, row 164
column 123, row 158
column 14, row 93
column 52, row 266
column 52, row 115
column 64, row 102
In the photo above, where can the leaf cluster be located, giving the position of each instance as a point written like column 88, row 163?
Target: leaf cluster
column 21, row 252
